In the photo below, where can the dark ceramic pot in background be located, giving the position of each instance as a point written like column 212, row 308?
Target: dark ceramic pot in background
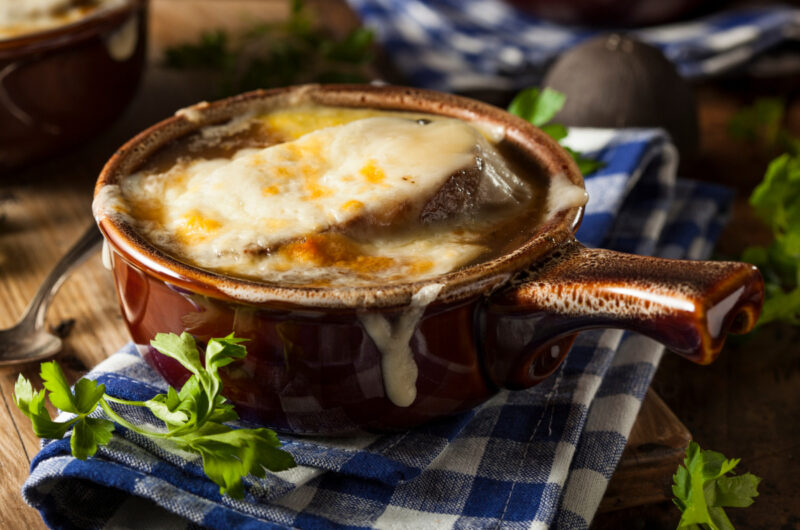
column 61, row 86
column 312, row 368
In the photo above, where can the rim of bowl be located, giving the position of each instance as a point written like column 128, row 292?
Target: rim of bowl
column 65, row 34
column 457, row 285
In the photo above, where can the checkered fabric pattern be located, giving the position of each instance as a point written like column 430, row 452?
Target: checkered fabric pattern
column 459, row 45
column 524, row 459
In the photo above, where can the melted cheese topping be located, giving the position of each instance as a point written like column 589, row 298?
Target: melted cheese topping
column 339, row 202
column 20, row 17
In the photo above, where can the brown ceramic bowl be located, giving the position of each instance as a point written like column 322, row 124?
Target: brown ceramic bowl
column 508, row 322
column 60, row 86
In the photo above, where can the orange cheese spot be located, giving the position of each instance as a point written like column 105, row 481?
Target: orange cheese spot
column 148, row 211
column 178, row 178
column 309, row 150
column 270, row 190
column 312, row 148
column 368, row 264
column 195, row 226
column 372, row 172
column 320, row 249
column 274, row 224
column 353, row 206
column 420, row 267
column 294, row 151
column 335, row 250
column 296, row 122
column 282, row 172
column 315, row 191
column 309, row 171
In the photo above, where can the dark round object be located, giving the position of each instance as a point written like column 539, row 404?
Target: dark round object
column 616, row 81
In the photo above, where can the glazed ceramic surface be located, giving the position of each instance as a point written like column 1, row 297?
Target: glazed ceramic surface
column 61, row 86
column 313, row 368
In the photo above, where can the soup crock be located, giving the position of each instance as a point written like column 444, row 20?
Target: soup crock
column 312, row 368
column 60, row 86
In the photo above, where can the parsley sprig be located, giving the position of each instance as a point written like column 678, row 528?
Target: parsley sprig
column 762, row 123
column 539, row 107
column 703, row 486
column 776, row 201
column 275, row 54
column 194, row 418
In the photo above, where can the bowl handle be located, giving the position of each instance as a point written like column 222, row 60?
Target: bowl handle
column 689, row 306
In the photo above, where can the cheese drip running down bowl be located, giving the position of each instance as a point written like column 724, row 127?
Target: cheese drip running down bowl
column 393, row 255
column 389, row 197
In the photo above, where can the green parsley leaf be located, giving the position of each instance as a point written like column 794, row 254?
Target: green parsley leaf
column 586, row 165
column 541, row 106
column 556, row 131
column 56, row 382
column 229, row 455
column 736, row 492
column 82, row 401
column 537, row 106
column 776, row 201
column 165, row 408
column 31, row 403
column 198, row 397
column 182, row 348
column 702, row 488
column 194, row 416
column 760, row 122
column 87, row 394
column 89, row 433
column 222, row 352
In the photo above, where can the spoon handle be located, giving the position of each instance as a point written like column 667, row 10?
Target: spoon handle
column 82, row 249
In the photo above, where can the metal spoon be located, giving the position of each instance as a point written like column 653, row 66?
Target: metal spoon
column 28, row 340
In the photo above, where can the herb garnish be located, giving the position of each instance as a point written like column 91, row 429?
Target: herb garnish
column 703, row 486
column 194, row 417
column 539, row 107
column 762, row 123
column 278, row 54
column 776, row 201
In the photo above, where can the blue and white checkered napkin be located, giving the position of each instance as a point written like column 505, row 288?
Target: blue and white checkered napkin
column 524, row 459
column 458, row 45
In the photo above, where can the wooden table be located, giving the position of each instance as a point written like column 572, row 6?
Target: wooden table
column 45, row 208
